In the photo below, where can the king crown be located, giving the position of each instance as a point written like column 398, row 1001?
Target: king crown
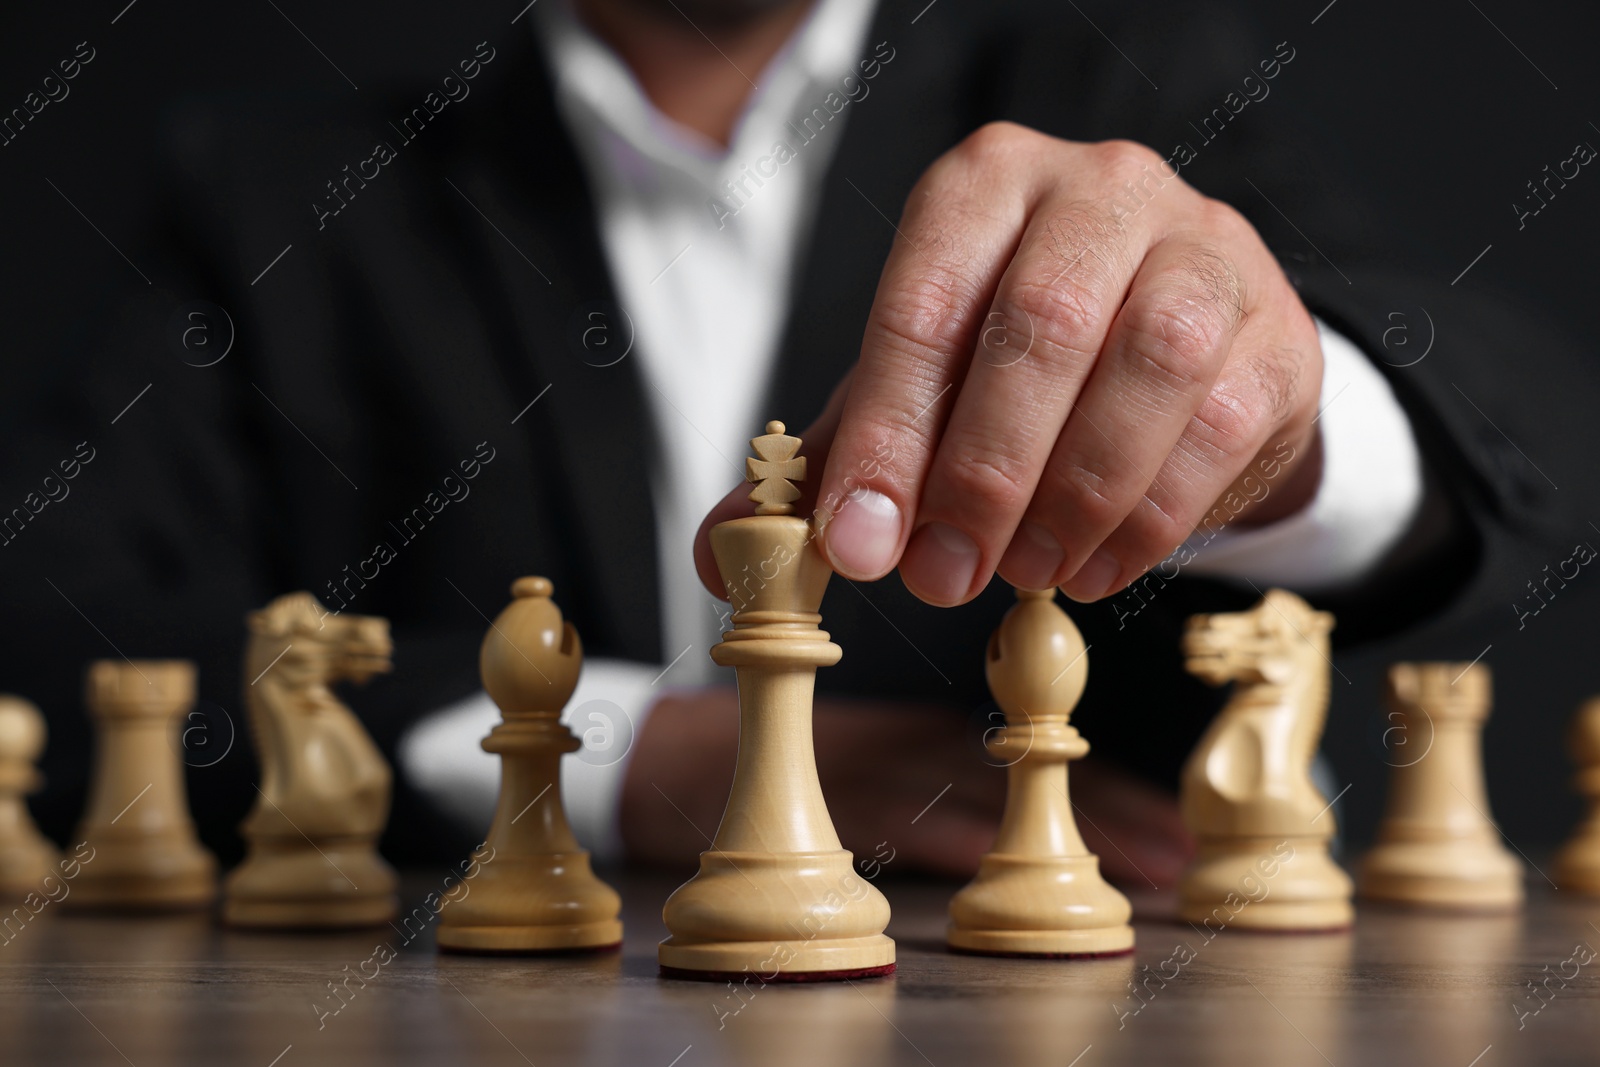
column 776, row 471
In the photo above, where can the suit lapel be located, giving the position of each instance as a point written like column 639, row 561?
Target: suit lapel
column 588, row 431
column 921, row 103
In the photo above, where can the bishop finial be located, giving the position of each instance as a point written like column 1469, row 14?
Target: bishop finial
column 776, row 471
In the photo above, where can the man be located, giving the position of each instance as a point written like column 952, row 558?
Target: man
column 614, row 253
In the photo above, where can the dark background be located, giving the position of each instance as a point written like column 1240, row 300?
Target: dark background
column 1439, row 116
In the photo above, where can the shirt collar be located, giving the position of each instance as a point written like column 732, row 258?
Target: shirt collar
column 609, row 112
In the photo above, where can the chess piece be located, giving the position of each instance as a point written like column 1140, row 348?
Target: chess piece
column 776, row 894
column 534, row 891
column 146, row 853
column 25, row 856
column 1578, row 862
column 312, row 858
column 1261, row 827
column 1038, row 891
column 1436, row 845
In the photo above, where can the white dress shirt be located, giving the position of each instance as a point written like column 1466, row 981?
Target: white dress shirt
column 703, row 258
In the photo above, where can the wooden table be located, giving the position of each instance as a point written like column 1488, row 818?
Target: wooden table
column 177, row 990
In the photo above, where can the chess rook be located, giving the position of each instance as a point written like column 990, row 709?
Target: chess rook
column 534, row 890
column 25, row 856
column 312, row 858
column 1261, row 827
column 1436, row 846
column 776, row 895
column 1039, row 891
column 146, row 853
column 1578, row 863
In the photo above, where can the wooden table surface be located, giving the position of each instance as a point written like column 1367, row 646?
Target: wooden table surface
column 1399, row 988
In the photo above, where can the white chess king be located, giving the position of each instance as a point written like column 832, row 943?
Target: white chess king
column 776, row 895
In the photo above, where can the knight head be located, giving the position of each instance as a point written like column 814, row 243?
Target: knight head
column 298, row 640
column 1265, row 644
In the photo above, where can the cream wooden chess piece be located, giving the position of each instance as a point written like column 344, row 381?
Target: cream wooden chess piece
column 312, row 858
column 776, row 894
column 534, row 891
column 1261, row 826
column 25, row 856
column 1578, row 862
column 1436, row 844
column 146, row 854
column 1038, row 891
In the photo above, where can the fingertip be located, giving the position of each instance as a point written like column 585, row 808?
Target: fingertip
column 705, row 564
column 940, row 565
column 861, row 540
column 1099, row 577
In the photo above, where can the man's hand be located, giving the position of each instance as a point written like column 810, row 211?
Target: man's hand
column 894, row 814
column 1071, row 358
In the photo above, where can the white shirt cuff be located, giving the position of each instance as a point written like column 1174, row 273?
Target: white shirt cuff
column 442, row 755
column 1370, row 494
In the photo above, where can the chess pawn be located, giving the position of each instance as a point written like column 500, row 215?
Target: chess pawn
column 1578, row 862
column 312, row 837
column 776, row 894
column 533, row 890
column 1038, row 891
column 1261, row 827
column 146, row 854
column 1436, row 845
column 25, row 856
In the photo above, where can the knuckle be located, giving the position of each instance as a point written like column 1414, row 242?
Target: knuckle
column 1085, row 489
column 875, row 455
column 1212, row 277
column 1176, row 342
column 1225, row 220
column 1064, row 314
column 1150, row 533
column 1120, row 155
column 1275, row 374
column 1231, row 421
column 1086, row 240
column 925, row 311
column 994, row 141
column 988, row 477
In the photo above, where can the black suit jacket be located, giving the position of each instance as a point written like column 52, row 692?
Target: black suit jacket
column 410, row 332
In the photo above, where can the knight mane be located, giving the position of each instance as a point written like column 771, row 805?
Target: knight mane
column 289, row 614
column 1301, row 615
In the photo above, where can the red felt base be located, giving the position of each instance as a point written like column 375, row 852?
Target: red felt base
column 1044, row 955
column 781, row 976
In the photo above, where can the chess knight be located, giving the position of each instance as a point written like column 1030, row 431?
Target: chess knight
column 324, row 793
column 1247, row 788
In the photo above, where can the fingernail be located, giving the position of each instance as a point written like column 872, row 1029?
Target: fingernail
column 1095, row 578
column 1033, row 557
column 862, row 535
column 940, row 563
